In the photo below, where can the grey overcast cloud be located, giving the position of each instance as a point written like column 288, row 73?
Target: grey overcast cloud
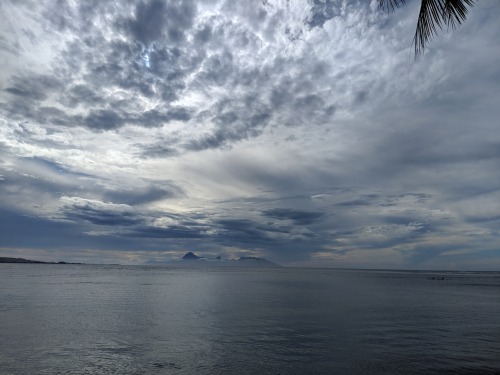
column 303, row 132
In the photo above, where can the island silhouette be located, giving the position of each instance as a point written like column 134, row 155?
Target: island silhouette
column 192, row 258
column 22, row 260
column 189, row 258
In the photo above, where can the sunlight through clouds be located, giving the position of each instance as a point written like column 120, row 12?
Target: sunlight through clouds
column 289, row 129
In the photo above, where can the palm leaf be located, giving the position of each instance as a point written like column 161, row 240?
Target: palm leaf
column 433, row 14
column 429, row 18
column 456, row 11
column 390, row 4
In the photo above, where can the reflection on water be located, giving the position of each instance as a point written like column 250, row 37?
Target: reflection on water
column 82, row 319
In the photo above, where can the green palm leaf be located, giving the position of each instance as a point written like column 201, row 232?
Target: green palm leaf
column 433, row 14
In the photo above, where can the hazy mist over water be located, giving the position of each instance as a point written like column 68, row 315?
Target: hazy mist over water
column 85, row 319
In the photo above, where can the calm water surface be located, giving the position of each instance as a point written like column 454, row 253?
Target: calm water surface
column 83, row 319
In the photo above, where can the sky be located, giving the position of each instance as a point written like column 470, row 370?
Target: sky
column 302, row 132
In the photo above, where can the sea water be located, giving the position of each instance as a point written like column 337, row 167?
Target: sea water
column 87, row 319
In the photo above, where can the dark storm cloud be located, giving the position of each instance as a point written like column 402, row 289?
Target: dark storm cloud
column 296, row 216
column 173, row 231
column 94, row 63
column 217, row 69
column 125, row 220
column 246, row 125
column 23, row 110
column 493, row 219
column 298, row 100
column 157, row 150
column 97, row 120
column 100, row 213
column 34, row 87
column 221, row 138
column 362, row 200
column 19, row 229
column 418, row 197
column 37, row 232
column 149, row 21
column 43, row 178
column 242, row 231
column 138, row 196
column 80, row 95
column 203, row 34
column 35, row 180
column 383, row 200
column 155, row 117
column 403, row 220
column 99, row 216
column 245, row 232
column 153, row 64
column 155, row 19
column 103, row 120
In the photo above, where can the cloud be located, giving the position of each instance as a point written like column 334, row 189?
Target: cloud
column 97, row 212
column 141, row 195
column 103, row 120
column 296, row 216
column 175, row 231
column 241, row 230
column 158, row 150
column 300, row 131
column 36, row 87
column 154, row 20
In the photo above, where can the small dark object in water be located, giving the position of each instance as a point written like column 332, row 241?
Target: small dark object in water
column 166, row 365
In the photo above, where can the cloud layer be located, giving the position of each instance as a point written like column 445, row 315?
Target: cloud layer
column 303, row 132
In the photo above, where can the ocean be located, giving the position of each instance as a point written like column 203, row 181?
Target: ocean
column 98, row 319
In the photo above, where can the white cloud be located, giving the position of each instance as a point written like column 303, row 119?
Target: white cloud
column 249, row 107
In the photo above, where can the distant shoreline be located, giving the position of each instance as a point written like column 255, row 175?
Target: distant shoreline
column 22, row 260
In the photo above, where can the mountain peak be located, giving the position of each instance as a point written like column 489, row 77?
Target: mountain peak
column 190, row 256
column 219, row 261
column 260, row 262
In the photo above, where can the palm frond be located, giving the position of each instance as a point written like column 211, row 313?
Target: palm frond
column 455, row 12
column 433, row 14
column 390, row 5
column 430, row 17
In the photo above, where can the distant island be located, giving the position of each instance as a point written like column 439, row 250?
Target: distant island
column 192, row 258
column 189, row 258
column 22, row 260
